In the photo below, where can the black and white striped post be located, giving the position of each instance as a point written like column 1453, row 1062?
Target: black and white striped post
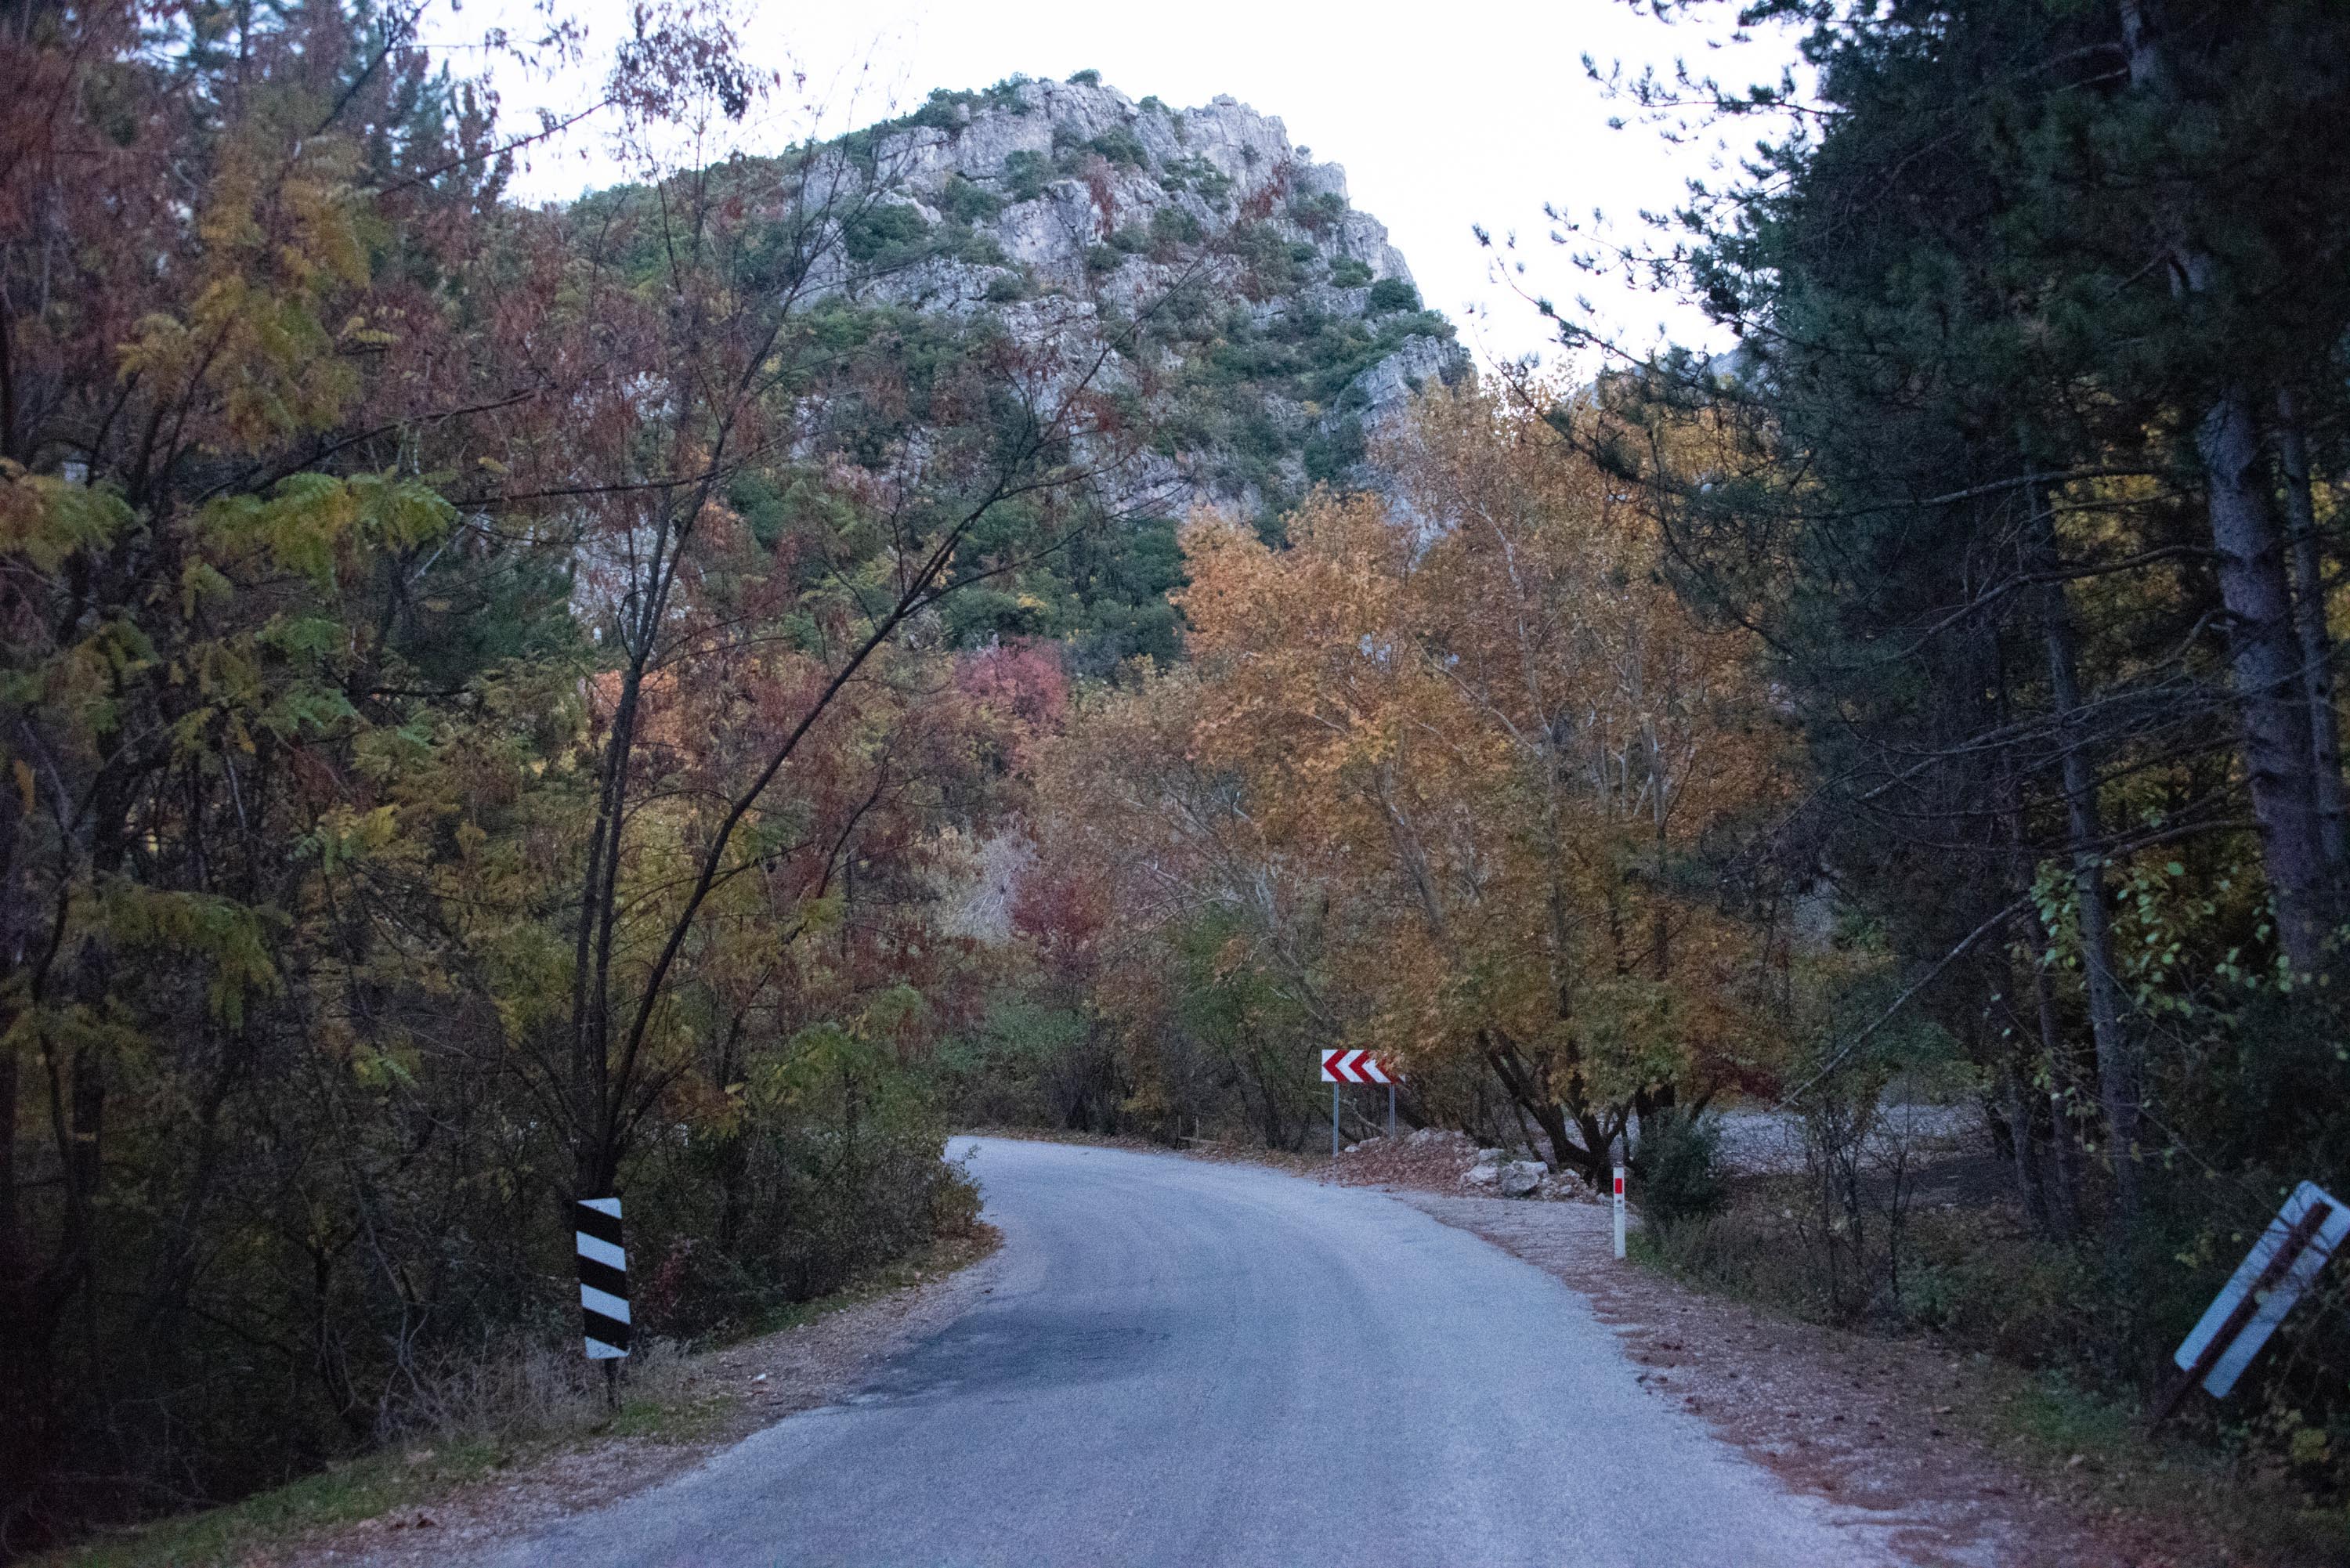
column 603, row 1277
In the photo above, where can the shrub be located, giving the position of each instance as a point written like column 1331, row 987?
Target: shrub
column 832, row 1170
column 1026, row 175
column 1119, row 145
column 1391, row 294
column 1319, row 212
column 1173, row 225
column 945, row 110
column 1679, row 1167
column 1087, row 78
column 1102, row 259
column 886, row 230
column 1349, row 273
column 1329, row 457
column 966, row 202
column 1199, row 176
column 979, row 250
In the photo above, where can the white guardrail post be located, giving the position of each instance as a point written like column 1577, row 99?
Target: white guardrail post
column 1619, row 1210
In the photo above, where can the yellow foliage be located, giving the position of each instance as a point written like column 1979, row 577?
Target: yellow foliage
column 1475, row 720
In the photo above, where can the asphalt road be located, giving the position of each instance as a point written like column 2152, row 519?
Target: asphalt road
column 1185, row 1363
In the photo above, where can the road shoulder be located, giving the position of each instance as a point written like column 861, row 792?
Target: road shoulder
column 1900, row 1428
column 708, row 1404
column 431, row 1504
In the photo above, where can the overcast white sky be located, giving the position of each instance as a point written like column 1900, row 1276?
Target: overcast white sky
column 1444, row 117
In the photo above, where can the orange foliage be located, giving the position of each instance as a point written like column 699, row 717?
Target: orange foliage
column 1472, row 723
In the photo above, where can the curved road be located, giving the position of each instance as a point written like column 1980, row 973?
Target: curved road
column 1184, row 1363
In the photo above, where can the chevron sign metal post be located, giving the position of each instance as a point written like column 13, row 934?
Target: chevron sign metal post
column 1340, row 1067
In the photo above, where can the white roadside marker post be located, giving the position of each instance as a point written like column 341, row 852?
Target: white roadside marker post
column 1620, row 1211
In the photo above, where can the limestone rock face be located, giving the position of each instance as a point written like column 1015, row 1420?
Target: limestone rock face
column 1065, row 209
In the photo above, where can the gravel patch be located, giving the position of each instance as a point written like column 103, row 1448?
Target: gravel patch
column 1759, row 1142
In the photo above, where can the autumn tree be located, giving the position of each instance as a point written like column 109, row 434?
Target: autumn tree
column 1454, row 775
column 1167, row 917
column 1488, row 694
column 473, row 681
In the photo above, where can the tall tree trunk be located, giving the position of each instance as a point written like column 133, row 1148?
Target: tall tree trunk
column 2271, row 698
column 2315, row 636
column 2048, row 1185
column 2118, row 1090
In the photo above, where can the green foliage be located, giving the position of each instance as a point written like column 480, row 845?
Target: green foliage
column 1025, row 174
column 966, row 202
column 1175, row 226
column 1197, row 175
column 1087, row 78
column 1120, row 147
column 1232, row 366
column 1318, row 213
column 1389, row 295
column 1349, row 273
column 1330, row 457
column 830, row 1167
column 885, row 232
column 2001, row 296
column 943, row 111
column 1678, row 1166
column 1019, row 1066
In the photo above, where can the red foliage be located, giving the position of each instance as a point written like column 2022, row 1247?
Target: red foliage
column 1024, row 683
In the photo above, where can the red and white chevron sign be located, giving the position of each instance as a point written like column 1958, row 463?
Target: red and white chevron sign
column 1352, row 1067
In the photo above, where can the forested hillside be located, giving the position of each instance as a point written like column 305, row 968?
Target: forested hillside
column 1017, row 616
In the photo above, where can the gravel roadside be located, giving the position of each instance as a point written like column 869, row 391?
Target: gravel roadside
column 1896, row 1426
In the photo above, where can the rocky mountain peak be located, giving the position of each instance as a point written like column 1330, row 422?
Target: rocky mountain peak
column 1035, row 198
